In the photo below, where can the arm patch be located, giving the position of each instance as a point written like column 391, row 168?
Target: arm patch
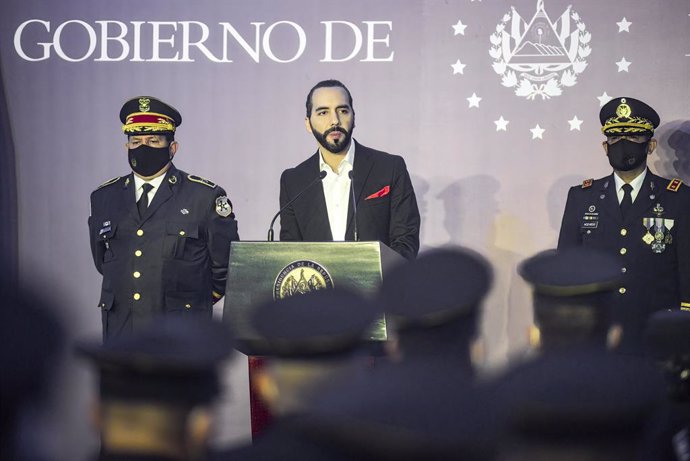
column 201, row 180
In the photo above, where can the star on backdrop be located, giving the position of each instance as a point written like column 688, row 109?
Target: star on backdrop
column 623, row 65
column 603, row 99
column 575, row 123
column 458, row 67
column 624, row 25
column 459, row 28
column 537, row 132
column 474, row 100
column 501, row 124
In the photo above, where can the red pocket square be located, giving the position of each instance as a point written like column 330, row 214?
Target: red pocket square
column 382, row 193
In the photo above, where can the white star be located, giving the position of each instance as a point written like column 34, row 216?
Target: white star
column 537, row 131
column 624, row 25
column 623, row 65
column 603, row 99
column 458, row 67
column 459, row 28
column 501, row 124
column 474, row 100
column 575, row 123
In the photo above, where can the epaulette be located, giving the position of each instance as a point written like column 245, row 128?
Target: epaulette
column 201, row 180
column 674, row 185
column 109, row 182
column 587, row 183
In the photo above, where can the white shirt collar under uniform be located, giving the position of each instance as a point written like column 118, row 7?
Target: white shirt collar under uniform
column 635, row 183
column 336, row 190
column 155, row 182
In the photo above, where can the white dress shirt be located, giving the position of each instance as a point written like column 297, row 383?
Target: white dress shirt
column 155, row 182
column 635, row 183
column 336, row 190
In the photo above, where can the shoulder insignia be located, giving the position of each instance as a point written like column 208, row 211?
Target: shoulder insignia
column 109, row 182
column 201, row 180
column 674, row 185
column 587, row 183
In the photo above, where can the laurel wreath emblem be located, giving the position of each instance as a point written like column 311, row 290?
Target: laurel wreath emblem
column 552, row 87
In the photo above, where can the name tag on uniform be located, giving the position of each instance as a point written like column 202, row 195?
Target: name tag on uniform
column 104, row 230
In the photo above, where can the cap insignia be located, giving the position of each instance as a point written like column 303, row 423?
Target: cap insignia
column 623, row 109
column 144, row 104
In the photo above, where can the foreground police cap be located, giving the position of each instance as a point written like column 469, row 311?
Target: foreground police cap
column 580, row 395
column 570, row 272
column 624, row 115
column 438, row 286
column 148, row 115
column 174, row 359
column 322, row 323
column 668, row 334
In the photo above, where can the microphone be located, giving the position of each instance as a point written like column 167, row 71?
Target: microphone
column 322, row 174
column 354, row 202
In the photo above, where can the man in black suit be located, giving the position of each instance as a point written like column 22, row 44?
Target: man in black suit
column 637, row 216
column 385, row 202
column 160, row 237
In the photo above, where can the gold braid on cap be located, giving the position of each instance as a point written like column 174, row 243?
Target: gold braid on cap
column 617, row 125
column 148, row 122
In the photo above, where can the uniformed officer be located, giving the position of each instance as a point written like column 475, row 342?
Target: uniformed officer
column 160, row 237
column 157, row 387
column 572, row 293
column 637, row 216
column 433, row 306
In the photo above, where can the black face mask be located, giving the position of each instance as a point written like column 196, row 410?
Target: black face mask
column 147, row 161
column 627, row 155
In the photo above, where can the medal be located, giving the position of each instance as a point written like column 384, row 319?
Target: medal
column 647, row 222
column 658, row 245
column 668, row 224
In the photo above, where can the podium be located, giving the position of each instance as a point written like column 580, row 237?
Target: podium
column 260, row 271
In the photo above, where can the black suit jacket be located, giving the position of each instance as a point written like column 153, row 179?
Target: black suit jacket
column 392, row 218
column 174, row 259
column 651, row 281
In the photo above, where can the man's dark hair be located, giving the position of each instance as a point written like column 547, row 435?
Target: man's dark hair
column 326, row 84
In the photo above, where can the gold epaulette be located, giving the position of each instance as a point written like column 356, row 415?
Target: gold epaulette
column 587, row 183
column 109, row 182
column 674, row 185
column 685, row 306
column 201, row 180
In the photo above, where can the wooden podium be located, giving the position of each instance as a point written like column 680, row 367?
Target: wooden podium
column 260, row 271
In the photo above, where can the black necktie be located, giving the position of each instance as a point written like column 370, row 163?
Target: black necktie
column 626, row 203
column 143, row 202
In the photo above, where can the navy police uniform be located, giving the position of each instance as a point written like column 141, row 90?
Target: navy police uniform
column 173, row 258
column 652, row 242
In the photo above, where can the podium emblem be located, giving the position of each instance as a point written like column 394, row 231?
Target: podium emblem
column 301, row 277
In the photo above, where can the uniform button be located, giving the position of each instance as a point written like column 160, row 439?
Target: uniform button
column 624, row 232
column 137, row 253
column 136, row 296
column 101, row 305
column 140, row 232
column 624, row 269
column 589, row 231
column 621, row 290
column 136, row 274
column 182, row 232
column 188, row 306
column 623, row 251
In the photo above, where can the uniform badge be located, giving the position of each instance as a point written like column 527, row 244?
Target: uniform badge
column 172, row 179
column 674, row 185
column 590, row 220
column 223, row 206
column 184, row 211
column 587, row 183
